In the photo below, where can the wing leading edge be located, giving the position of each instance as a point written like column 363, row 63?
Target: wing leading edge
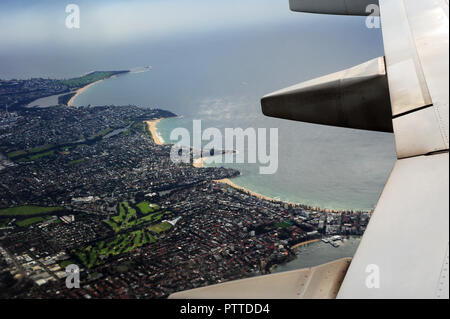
column 321, row 282
column 355, row 98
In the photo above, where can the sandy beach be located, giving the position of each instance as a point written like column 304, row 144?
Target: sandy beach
column 198, row 162
column 79, row 91
column 152, row 127
column 305, row 243
column 245, row 190
column 230, row 183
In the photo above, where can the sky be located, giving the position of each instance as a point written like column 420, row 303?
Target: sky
column 37, row 22
column 34, row 40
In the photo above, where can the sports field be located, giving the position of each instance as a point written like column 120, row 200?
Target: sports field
column 28, row 210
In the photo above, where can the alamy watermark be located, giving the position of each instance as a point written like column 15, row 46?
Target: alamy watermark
column 236, row 145
column 72, row 276
column 373, row 20
column 373, row 277
column 73, row 17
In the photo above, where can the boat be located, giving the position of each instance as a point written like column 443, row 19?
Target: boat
column 334, row 244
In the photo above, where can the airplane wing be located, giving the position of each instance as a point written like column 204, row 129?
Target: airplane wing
column 321, row 282
column 404, row 251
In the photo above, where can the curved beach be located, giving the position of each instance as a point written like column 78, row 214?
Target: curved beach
column 199, row 163
column 305, row 243
column 249, row 192
column 81, row 90
column 152, row 128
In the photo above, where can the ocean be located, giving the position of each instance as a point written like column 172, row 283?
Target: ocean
column 321, row 166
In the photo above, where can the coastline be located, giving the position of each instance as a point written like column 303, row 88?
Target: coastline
column 258, row 195
column 305, row 243
column 81, row 90
column 199, row 163
column 152, row 128
column 249, row 192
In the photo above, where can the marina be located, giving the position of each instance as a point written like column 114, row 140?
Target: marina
column 319, row 253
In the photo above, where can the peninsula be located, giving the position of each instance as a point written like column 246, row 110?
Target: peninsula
column 15, row 94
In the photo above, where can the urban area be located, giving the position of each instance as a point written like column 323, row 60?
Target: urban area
column 88, row 186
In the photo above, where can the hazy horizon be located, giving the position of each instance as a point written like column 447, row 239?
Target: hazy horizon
column 118, row 35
